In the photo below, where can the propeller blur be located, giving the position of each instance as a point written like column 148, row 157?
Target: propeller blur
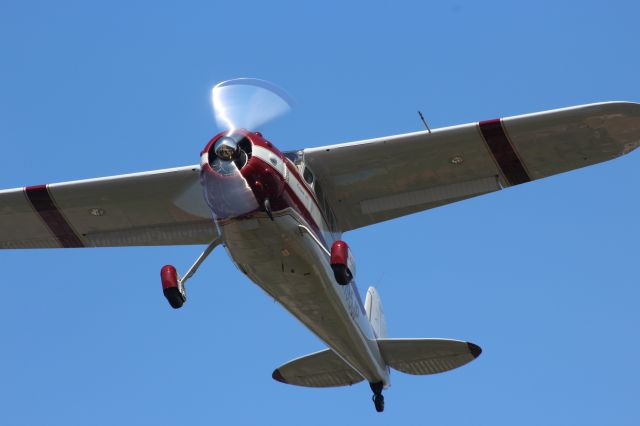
column 248, row 103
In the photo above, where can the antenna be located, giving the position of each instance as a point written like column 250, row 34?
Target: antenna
column 424, row 121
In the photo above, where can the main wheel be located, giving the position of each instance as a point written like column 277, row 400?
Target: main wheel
column 378, row 401
column 171, row 287
column 174, row 297
column 341, row 274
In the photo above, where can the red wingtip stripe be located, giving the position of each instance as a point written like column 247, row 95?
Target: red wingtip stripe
column 503, row 152
column 54, row 220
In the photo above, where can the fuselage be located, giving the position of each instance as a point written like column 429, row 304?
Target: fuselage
column 286, row 251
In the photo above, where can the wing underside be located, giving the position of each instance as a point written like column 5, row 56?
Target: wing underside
column 163, row 207
column 364, row 182
column 375, row 180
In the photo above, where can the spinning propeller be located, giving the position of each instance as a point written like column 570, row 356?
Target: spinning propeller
column 242, row 103
column 248, row 103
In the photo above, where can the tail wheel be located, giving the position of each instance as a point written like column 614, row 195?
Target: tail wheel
column 378, row 401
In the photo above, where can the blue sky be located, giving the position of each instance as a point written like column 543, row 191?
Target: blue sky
column 543, row 276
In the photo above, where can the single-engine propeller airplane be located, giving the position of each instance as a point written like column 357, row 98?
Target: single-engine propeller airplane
column 282, row 215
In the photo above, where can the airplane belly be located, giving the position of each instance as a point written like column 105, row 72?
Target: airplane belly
column 293, row 269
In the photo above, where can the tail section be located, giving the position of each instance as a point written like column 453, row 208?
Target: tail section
column 317, row 370
column 375, row 314
column 411, row 356
column 427, row 356
column 416, row 356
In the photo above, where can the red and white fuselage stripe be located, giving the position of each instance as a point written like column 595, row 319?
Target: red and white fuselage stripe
column 304, row 200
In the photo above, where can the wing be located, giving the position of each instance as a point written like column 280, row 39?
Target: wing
column 162, row 207
column 375, row 180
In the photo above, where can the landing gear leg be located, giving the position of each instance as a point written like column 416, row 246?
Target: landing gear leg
column 173, row 286
column 378, row 399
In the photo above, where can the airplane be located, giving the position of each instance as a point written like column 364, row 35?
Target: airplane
column 282, row 216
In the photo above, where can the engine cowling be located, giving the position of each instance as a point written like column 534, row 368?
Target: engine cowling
column 240, row 170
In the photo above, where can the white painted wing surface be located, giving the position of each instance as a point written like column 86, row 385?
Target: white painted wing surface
column 162, row 207
column 317, row 370
column 371, row 181
column 427, row 356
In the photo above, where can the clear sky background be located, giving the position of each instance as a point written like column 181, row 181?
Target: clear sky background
column 543, row 276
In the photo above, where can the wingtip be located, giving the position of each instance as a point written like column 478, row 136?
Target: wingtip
column 629, row 147
column 473, row 348
column 278, row 376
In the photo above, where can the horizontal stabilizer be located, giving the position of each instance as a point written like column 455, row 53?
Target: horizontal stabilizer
column 427, row 356
column 318, row 370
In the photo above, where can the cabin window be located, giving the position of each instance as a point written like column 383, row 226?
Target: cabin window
column 325, row 207
column 295, row 157
column 308, row 176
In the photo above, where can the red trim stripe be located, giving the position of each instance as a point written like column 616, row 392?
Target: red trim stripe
column 302, row 210
column 294, row 171
column 43, row 204
column 503, row 152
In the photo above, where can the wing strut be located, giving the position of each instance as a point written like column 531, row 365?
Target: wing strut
column 192, row 270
